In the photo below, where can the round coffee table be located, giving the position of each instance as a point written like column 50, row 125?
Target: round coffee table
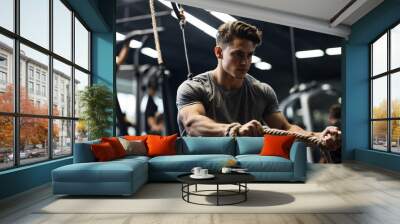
column 238, row 179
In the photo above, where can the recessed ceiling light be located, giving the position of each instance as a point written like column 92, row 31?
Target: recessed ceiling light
column 199, row 24
column 119, row 36
column 334, row 51
column 255, row 59
column 149, row 52
column 135, row 44
column 194, row 21
column 223, row 16
column 309, row 54
column 263, row 65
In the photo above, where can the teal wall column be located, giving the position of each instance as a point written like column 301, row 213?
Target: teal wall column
column 103, row 69
column 356, row 100
column 356, row 82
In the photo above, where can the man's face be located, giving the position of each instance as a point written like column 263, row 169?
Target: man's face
column 236, row 57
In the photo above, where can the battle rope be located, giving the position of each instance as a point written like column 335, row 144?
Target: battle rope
column 156, row 38
column 313, row 140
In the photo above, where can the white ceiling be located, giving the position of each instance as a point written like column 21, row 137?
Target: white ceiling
column 314, row 15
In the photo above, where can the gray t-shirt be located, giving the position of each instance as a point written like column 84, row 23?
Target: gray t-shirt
column 253, row 100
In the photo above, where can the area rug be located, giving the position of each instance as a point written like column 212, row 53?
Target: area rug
column 167, row 198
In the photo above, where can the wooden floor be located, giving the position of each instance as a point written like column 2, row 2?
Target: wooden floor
column 378, row 189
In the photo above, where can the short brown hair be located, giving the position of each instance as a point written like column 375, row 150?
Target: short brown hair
column 238, row 29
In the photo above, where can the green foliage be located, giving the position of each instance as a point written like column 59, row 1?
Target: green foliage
column 96, row 102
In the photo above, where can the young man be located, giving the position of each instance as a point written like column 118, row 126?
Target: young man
column 227, row 101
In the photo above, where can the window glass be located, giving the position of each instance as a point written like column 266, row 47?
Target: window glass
column 379, row 56
column 81, row 45
column 395, row 136
column 34, row 21
column 395, row 95
column 379, row 97
column 379, row 135
column 39, row 61
column 6, row 142
column 6, row 74
column 395, row 47
column 62, row 29
column 62, row 138
column 34, row 81
column 62, row 91
column 33, row 140
column 81, row 131
column 81, row 81
column 7, row 14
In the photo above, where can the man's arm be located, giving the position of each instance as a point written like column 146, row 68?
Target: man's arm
column 197, row 124
column 123, row 54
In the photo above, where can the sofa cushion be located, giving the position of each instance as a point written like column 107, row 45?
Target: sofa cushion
column 161, row 145
column 257, row 163
column 206, row 145
column 103, row 152
column 185, row 163
column 116, row 145
column 83, row 153
column 134, row 147
column 249, row 145
column 134, row 137
column 275, row 145
column 132, row 157
column 112, row 171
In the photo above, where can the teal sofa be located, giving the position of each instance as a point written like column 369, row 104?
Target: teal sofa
column 125, row 176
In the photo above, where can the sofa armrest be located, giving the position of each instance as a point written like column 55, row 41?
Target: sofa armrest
column 83, row 152
column 298, row 155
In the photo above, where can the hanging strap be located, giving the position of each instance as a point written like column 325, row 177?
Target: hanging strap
column 179, row 12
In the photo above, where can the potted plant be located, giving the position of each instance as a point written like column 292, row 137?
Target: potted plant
column 96, row 110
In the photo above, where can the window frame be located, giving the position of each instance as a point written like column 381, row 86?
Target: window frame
column 16, row 114
column 388, row 74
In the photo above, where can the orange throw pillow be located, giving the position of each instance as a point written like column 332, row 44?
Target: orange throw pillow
column 116, row 145
column 135, row 138
column 161, row 145
column 275, row 145
column 103, row 152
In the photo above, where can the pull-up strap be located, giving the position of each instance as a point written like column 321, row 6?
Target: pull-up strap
column 182, row 22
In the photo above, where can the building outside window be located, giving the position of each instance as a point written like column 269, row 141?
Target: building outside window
column 3, row 72
column 3, row 78
column 43, row 78
column 30, row 87
column 385, row 95
column 43, row 90
column 30, row 72
column 58, row 128
column 3, row 61
column 37, row 74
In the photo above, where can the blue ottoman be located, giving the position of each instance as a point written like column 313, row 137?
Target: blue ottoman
column 118, row 177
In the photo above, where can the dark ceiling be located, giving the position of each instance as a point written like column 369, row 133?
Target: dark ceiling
column 274, row 50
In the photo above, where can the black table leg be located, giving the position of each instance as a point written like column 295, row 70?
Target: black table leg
column 217, row 194
column 245, row 193
column 188, row 190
